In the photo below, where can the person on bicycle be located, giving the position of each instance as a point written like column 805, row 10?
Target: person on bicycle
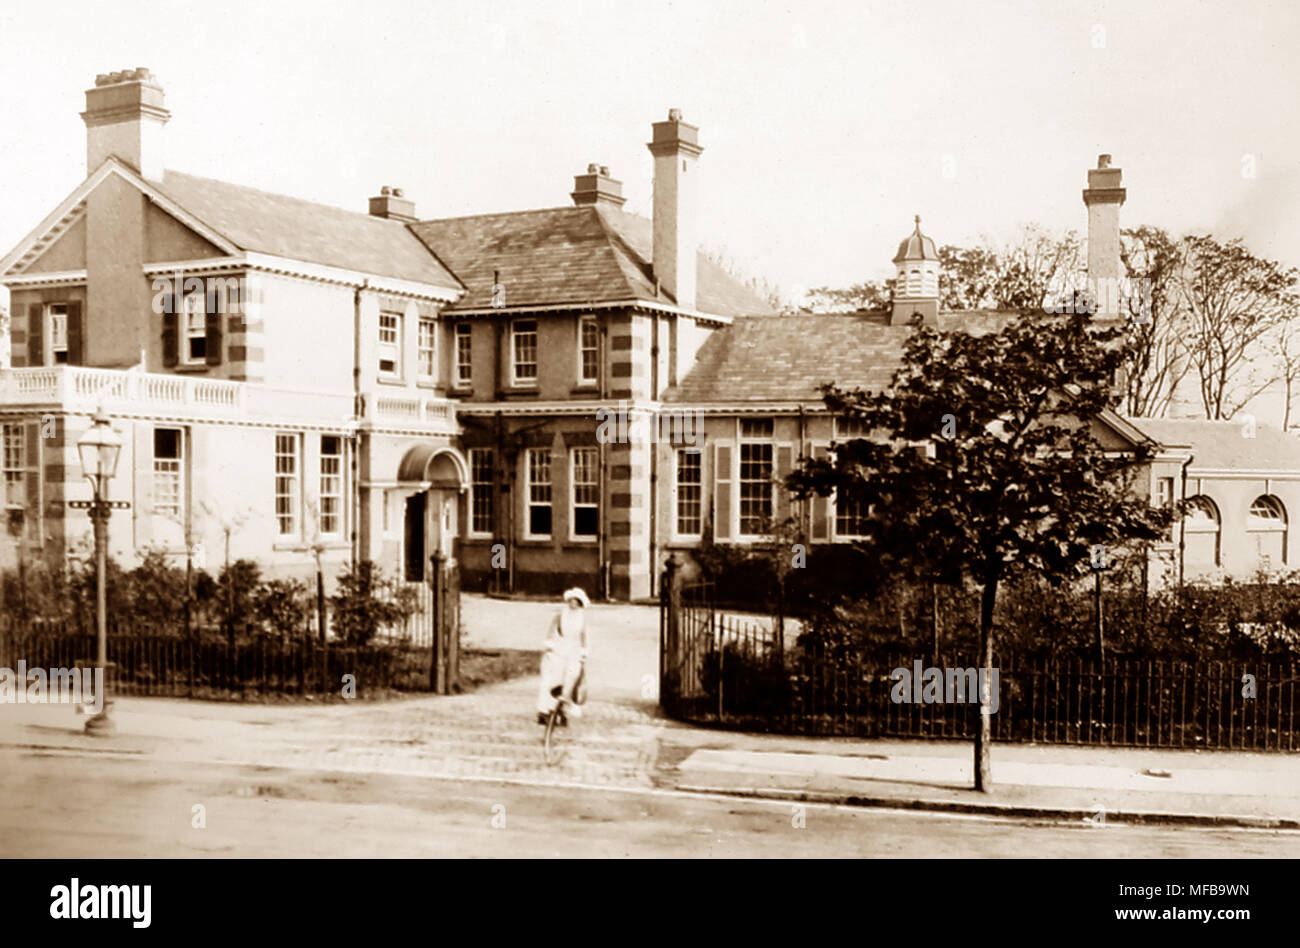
column 564, row 656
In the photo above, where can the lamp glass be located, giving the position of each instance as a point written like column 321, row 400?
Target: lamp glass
column 98, row 450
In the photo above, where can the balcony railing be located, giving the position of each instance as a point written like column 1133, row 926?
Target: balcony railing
column 128, row 391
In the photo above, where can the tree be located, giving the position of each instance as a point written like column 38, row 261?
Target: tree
column 1156, row 358
column 868, row 295
column 1285, row 347
column 1234, row 301
column 1013, row 480
column 966, row 277
column 1034, row 266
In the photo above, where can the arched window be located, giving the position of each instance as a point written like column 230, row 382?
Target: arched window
column 1267, row 523
column 1201, row 532
column 914, row 282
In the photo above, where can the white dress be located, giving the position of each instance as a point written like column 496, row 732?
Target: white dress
column 562, row 660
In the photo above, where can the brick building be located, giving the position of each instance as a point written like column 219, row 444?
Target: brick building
column 294, row 380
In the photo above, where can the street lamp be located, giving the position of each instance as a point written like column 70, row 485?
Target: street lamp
column 99, row 449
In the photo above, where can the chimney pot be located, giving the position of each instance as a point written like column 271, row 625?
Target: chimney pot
column 597, row 187
column 1103, row 161
column 125, row 115
column 393, row 205
column 674, row 115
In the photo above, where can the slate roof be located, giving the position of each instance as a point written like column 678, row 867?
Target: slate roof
column 268, row 223
column 553, row 256
column 787, row 358
column 1220, row 445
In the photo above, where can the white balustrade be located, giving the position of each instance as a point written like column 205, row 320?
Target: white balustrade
column 83, row 388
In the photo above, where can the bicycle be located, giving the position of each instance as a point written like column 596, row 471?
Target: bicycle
column 552, row 750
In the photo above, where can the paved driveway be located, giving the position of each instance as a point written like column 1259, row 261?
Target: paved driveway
column 624, row 641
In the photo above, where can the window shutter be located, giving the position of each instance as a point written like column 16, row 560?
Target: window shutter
column 142, row 466
column 35, row 527
column 820, row 505
column 75, row 329
column 213, row 325
column 36, row 334
column 784, row 464
column 170, row 340
column 722, row 497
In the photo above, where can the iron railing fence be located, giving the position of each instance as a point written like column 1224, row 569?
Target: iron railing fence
column 717, row 668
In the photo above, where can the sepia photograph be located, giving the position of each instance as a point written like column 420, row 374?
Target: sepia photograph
column 436, row 430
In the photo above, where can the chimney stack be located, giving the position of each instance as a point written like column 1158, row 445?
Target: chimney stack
column 597, row 187
column 675, row 146
column 392, row 205
column 1103, row 197
column 125, row 117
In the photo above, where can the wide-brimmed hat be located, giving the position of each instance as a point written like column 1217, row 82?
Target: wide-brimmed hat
column 578, row 594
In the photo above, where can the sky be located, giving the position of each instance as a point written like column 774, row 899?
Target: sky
column 825, row 126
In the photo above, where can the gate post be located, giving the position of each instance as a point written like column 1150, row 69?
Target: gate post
column 444, row 583
column 669, row 617
column 437, row 671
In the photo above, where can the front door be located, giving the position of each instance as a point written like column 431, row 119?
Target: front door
column 413, row 534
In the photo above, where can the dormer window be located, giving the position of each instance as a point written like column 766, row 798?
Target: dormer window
column 194, row 349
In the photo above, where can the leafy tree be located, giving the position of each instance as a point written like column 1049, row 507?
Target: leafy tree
column 1013, row 479
column 1234, row 301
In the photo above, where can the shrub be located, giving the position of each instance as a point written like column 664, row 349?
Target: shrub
column 284, row 607
column 751, row 684
column 364, row 604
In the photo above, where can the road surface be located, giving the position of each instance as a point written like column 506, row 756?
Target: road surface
column 78, row 806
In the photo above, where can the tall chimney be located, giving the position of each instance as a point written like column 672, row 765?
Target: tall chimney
column 597, row 187
column 676, row 148
column 125, row 117
column 393, row 205
column 1103, row 197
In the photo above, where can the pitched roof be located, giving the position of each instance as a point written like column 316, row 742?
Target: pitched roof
column 283, row 226
column 558, row 255
column 787, row 358
column 1223, row 445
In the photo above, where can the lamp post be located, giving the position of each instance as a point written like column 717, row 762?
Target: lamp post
column 98, row 450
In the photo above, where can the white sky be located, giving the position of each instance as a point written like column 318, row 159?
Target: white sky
column 826, row 126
